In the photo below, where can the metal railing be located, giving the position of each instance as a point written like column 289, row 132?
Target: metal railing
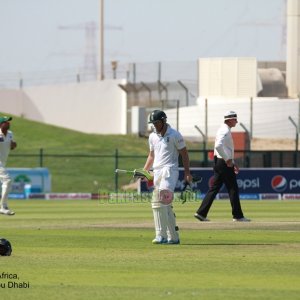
column 87, row 172
column 133, row 72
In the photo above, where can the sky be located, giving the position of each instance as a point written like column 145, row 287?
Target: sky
column 44, row 35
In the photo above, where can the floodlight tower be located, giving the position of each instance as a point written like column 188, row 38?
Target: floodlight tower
column 90, row 54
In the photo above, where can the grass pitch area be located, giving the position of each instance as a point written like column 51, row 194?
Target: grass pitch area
column 90, row 250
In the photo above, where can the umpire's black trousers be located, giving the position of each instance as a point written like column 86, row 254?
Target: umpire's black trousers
column 226, row 175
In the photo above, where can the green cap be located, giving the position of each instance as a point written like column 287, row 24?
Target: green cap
column 5, row 119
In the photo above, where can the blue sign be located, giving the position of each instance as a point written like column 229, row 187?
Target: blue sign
column 29, row 180
column 250, row 181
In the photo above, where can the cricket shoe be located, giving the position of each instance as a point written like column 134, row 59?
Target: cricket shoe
column 241, row 220
column 201, row 218
column 6, row 211
column 159, row 240
column 172, row 242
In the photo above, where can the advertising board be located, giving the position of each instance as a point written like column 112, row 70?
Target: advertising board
column 29, row 180
column 250, row 181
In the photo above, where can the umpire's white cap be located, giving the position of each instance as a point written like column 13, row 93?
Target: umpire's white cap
column 230, row 115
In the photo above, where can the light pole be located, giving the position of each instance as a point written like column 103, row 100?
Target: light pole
column 114, row 66
column 101, row 38
column 203, row 137
column 296, row 141
column 248, row 133
column 297, row 132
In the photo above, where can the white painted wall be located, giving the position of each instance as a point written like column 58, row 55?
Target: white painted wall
column 138, row 120
column 101, row 107
column 270, row 116
column 11, row 101
column 293, row 48
column 91, row 107
column 228, row 77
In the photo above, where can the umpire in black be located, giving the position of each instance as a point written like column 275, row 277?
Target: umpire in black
column 225, row 170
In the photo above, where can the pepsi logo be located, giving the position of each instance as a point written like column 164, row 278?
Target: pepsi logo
column 279, row 183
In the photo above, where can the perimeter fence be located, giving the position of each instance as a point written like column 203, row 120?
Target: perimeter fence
column 94, row 172
column 133, row 72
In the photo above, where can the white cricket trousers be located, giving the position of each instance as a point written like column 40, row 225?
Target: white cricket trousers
column 164, row 217
column 6, row 184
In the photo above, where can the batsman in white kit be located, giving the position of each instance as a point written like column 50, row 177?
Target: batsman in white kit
column 165, row 145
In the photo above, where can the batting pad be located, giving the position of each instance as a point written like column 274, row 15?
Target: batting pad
column 160, row 215
column 155, row 199
column 166, row 197
column 171, row 227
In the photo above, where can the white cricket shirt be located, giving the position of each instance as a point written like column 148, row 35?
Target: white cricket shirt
column 166, row 148
column 5, row 142
column 224, row 147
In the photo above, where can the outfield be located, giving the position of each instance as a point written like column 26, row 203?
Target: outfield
column 89, row 250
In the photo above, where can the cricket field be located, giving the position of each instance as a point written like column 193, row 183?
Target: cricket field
column 88, row 249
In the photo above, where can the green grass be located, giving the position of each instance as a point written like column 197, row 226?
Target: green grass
column 90, row 250
column 71, row 173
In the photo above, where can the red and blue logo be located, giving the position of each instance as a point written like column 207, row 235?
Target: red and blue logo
column 279, row 183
